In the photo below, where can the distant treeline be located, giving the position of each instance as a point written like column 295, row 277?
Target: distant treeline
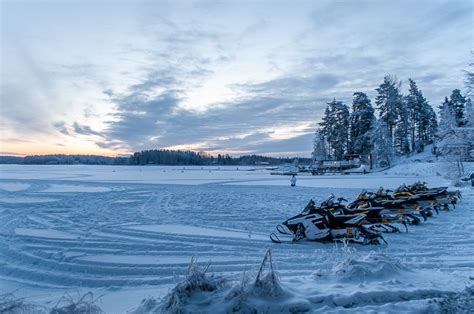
column 149, row 157
column 65, row 160
column 177, row 157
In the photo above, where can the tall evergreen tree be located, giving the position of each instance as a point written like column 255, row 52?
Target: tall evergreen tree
column 427, row 128
column 319, row 146
column 414, row 102
column 469, row 82
column 469, row 114
column 401, row 141
column 447, row 121
column 457, row 103
column 335, row 128
column 382, row 144
column 389, row 101
column 362, row 121
column 421, row 118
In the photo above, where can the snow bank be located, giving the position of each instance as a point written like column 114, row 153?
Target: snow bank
column 462, row 302
column 373, row 266
column 13, row 187
column 12, row 305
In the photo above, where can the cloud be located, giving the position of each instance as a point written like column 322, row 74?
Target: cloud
column 61, row 127
column 84, row 130
column 217, row 76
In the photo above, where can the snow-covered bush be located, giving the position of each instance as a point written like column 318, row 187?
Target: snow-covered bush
column 12, row 305
column 462, row 302
column 86, row 303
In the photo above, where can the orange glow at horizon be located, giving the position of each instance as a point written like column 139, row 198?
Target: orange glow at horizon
column 45, row 149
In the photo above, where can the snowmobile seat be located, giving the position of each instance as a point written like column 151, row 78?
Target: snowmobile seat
column 342, row 221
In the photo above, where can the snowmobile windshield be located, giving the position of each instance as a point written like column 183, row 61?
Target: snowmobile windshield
column 308, row 208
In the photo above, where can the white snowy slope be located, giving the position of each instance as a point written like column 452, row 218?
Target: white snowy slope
column 128, row 233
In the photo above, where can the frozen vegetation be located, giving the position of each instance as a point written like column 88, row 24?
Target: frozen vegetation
column 195, row 239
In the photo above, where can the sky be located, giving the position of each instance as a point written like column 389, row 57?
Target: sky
column 229, row 77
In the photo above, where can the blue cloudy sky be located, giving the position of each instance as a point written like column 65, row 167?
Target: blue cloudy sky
column 238, row 77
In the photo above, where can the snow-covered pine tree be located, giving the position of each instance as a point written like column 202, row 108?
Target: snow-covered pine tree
column 319, row 146
column 469, row 82
column 469, row 114
column 421, row 118
column 446, row 128
column 468, row 128
column 362, row 122
column 326, row 129
column 388, row 101
column 426, row 128
column 335, row 128
column 401, row 135
column 382, row 149
column 457, row 103
column 414, row 102
column 447, row 120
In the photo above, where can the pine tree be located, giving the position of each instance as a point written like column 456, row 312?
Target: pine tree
column 326, row 130
column 382, row 144
column 469, row 82
column 427, row 128
column 401, row 135
column 335, row 127
column 389, row 101
column 447, row 122
column 457, row 103
column 421, row 118
column 362, row 122
column 469, row 114
column 319, row 146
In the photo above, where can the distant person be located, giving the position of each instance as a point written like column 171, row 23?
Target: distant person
column 293, row 180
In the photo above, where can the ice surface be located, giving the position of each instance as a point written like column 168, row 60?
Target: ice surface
column 66, row 188
column 199, row 231
column 43, row 233
column 129, row 232
column 13, row 187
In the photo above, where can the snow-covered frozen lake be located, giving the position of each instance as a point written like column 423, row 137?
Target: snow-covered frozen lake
column 128, row 233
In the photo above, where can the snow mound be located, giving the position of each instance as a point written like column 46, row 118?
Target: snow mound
column 265, row 294
column 202, row 292
column 12, row 305
column 358, row 301
column 83, row 304
column 187, row 296
column 373, row 266
column 462, row 302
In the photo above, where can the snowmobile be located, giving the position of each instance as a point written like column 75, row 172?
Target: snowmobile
column 422, row 187
column 379, row 218
column 408, row 200
column 408, row 208
column 317, row 224
column 441, row 196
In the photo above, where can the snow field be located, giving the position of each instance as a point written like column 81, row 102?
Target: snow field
column 130, row 240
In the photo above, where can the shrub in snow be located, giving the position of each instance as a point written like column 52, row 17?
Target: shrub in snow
column 12, row 305
column 371, row 266
column 347, row 264
column 265, row 294
column 85, row 304
column 203, row 292
column 150, row 305
column 197, row 281
column 462, row 302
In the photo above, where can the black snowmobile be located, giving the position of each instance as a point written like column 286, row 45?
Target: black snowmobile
column 408, row 208
column 441, row 197
column 317, row 224
column 379, row 218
